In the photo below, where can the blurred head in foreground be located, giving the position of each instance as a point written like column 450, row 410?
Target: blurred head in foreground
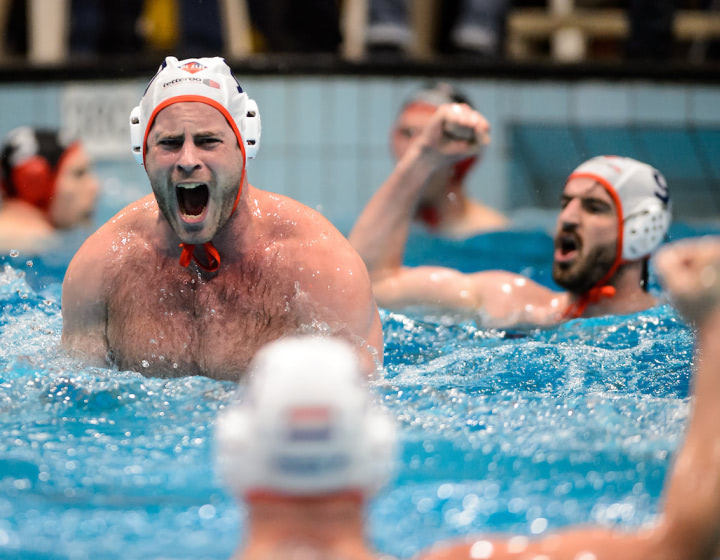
column 306, row 446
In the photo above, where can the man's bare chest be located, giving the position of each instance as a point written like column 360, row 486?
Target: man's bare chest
column 178, row 323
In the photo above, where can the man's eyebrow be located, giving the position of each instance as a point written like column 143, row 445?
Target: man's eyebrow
column 585, row 198
column 161, row 134
column 596, row 199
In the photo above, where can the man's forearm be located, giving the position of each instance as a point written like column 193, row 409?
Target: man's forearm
column 381, row 231
column 692, row 510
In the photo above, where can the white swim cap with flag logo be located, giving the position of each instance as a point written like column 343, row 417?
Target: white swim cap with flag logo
column 306, row 426
column 641, row 197
column 204, row 80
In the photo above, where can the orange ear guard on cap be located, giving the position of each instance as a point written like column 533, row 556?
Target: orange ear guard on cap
column 34, row 181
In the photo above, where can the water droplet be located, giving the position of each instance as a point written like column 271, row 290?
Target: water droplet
column 14, row 253
column 206, row 512
column 538, row 525
column 145, row 363
column 29, row 264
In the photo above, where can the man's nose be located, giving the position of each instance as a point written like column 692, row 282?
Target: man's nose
column 570, row 215
column 93, row 184
column 188, row 157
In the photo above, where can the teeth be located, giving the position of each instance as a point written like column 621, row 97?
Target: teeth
column 189, row 185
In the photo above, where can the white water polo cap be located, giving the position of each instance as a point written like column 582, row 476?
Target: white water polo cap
column 641, row 196
column 204, row 80
column 306, row 426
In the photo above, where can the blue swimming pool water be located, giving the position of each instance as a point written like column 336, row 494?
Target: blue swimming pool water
column 522, row 431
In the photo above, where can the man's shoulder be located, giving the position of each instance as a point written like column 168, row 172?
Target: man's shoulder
column 134, row 214
column 305, row 237
column 118, row 233
column 296, row 223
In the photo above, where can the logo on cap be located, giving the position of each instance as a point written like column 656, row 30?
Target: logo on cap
column 309, row 423
column 192, row 67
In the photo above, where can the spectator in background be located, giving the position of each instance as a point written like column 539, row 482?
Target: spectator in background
column 465, row 26
column 47, row 185
column 105, row 27
column 651, row 29
column 128, row 27
column 289, row 26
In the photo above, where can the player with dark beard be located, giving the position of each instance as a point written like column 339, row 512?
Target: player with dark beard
column 615, row 212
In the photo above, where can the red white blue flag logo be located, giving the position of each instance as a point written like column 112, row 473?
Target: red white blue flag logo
column 309, row 424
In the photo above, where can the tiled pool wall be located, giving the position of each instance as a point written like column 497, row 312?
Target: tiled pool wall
column 325, row 139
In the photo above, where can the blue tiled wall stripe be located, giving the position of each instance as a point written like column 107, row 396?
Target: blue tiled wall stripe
column 325, row 139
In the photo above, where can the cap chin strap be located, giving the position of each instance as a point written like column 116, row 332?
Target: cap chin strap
column 188, row 254
column 591, row 297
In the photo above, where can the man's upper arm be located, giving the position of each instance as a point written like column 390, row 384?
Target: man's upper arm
column 84, row 307
column 342, row 289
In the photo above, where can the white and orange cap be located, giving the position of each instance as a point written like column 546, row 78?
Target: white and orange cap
column 641, row 197
column 306, row 426
column 204, row 80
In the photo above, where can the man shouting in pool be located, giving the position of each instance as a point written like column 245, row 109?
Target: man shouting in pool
column 615, row 211
column 194, row 278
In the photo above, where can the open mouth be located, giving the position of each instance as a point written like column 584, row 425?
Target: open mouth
column 567, row 246
column 192, row 199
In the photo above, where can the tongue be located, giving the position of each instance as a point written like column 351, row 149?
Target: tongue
column 193, row 201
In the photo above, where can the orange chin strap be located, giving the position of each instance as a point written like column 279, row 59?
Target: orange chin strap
column 188, row 254
column 593, row 295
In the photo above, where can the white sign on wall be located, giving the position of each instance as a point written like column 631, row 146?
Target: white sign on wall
column 99, row 114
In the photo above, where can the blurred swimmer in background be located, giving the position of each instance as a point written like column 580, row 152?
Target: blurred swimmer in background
column 47, row 185
column 306, row 448
column 444, row 207
column 614, row 213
